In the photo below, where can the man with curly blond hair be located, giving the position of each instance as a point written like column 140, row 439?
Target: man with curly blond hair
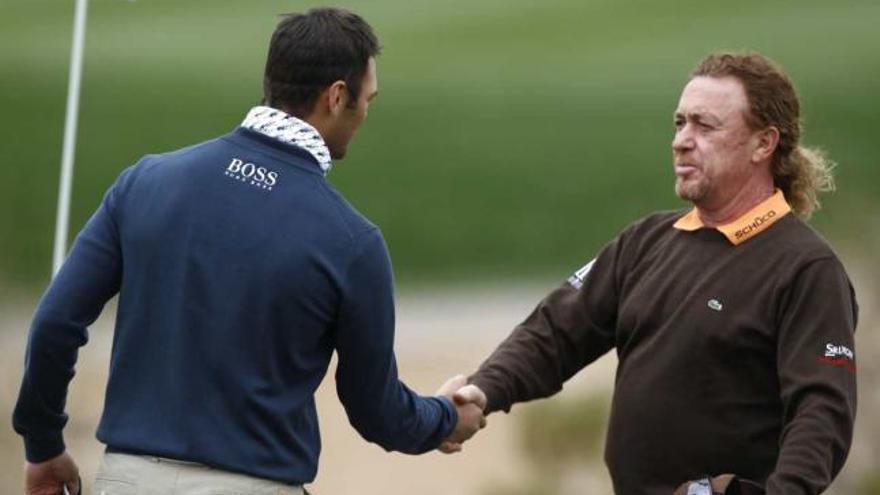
column 733, row 322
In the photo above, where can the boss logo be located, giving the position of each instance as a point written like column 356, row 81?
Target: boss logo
column 252, row 174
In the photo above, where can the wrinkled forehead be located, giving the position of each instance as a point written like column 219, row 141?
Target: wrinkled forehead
column 718, row 97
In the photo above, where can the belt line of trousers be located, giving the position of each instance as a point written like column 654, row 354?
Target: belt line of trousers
column 128, row 474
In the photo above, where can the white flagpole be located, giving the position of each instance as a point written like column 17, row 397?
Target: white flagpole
column 63, row 217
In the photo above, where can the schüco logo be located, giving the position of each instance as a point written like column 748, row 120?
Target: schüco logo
column 756, row 224
column 251, row 174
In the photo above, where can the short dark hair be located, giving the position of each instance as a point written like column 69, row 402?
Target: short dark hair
column 310, row 51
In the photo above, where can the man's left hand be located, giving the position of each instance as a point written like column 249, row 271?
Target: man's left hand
column 52, row 476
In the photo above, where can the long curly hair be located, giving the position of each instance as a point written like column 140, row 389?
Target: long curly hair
column 801, row 173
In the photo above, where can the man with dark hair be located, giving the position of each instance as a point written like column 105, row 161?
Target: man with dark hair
column 240, row 270
column 733, row 322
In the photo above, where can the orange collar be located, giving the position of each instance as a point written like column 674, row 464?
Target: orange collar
column 757, row 220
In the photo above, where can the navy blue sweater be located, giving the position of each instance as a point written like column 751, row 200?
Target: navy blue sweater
column 239, row 270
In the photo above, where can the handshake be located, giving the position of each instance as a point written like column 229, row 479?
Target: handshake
column 470, row 404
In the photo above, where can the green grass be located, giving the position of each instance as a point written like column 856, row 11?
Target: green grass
column 510, row 138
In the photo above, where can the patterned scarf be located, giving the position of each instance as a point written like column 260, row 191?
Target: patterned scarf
column 289, row 129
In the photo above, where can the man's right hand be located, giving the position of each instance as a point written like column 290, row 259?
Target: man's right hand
column 471, row 394
column 50, row 477
column 469, row 404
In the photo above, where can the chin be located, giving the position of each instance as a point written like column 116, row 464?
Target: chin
column 337, row 154
column 692, row 192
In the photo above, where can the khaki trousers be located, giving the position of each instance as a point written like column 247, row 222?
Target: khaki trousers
column 124, row 474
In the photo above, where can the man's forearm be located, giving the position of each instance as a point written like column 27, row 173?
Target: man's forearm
column 814, row 448
column 75, row 298
column 518, row 370
column 39, row 413
column 557, row 340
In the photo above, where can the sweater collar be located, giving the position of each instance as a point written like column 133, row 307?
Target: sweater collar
column 290, row 130
column 755, row 221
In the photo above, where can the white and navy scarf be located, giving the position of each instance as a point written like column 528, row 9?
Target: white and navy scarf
column 289, row 129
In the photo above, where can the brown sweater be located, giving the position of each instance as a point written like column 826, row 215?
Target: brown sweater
column 735, row 349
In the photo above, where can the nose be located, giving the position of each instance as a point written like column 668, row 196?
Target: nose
column 683, row 139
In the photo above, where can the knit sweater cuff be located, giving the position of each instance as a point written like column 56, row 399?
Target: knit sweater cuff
column 496, row 398
column 44, row 447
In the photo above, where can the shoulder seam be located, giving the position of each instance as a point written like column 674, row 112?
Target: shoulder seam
column 340, row 208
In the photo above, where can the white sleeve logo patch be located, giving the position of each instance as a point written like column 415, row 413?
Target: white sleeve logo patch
column 832, row 350
column 577, row 280
column 840, row 356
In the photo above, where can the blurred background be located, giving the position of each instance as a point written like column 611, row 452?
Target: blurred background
column 510, row 141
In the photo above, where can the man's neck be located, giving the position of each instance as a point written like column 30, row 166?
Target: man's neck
column 285, row 127
column 746, row 198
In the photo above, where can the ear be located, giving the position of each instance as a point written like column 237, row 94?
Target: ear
column 337, row 97
column 768, row 139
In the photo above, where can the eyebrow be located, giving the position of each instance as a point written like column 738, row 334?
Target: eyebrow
column 699, row 117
